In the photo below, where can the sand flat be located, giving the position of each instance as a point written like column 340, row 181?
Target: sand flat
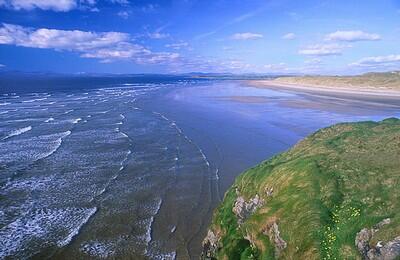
column 317, row 88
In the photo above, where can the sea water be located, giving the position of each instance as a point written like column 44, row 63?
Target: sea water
column 135, row 170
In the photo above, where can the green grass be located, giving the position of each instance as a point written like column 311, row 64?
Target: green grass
column 326, row 189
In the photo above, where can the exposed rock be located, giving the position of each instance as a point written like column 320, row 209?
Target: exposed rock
column 243, row 209
column 250, row 238
column 391, row 250
column 272, row 231
column 380, row 251
column 386, row 221
column 388, row 251
column 210, row 245
column 362, row 241
column 238, row 207
column 254, row 204
column 269, row 191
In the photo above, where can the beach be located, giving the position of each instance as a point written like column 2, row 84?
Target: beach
column 281, row 84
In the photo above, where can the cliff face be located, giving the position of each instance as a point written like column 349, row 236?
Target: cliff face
column 335, row 195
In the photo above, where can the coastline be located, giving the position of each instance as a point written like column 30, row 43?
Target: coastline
column 325, row 89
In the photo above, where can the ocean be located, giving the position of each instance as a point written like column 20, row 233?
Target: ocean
column 133, row 169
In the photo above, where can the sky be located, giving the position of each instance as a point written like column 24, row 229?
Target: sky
column 219, row 36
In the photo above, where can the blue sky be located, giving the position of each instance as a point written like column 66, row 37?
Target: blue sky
column 175, row 36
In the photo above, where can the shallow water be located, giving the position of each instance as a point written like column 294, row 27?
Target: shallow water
column 134, row 171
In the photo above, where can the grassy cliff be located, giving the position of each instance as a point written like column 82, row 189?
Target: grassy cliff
column 384, row 80
column 335, row 195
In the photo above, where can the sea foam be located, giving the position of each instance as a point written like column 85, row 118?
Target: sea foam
column 40, row 225
column 75, row 230
column 18, row 132
column 57, row 144
column 99, row 249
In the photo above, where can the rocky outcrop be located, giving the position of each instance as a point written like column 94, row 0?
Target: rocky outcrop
column 243, row 209
column 210, row 245
column 362, row 241
column 385, row 251
column 272, row 231
column 250, row 237
column 269, row 191
column 382, row 250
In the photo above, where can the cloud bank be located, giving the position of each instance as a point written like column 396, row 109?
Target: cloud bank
column 106, row 46
column 110, row 47
column 323, row 50
column 55, row 5
column 378, row 61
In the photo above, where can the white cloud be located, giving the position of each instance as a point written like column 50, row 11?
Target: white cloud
column 123, row 14
column 159, row 58
column 58, row 39
column 352, row 36
column 289, row 36
column 378, row 61
column 121, row 51
column 178, row 45
column 111, row 46
column 55, row 5
column 246, row 36
column 323, row 49
column 106, row 46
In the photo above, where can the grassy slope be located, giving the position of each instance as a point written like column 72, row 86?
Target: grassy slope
column 389, row 80
column 326, row 189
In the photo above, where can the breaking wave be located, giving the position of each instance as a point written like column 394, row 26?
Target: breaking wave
column 18, row 132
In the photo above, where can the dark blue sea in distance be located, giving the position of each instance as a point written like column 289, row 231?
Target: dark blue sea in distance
column 18, row 82
column 133, row 166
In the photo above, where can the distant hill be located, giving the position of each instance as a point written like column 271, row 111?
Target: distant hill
column 389, row 80
column 335, row 195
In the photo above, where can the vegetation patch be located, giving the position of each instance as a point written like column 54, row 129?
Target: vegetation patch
column 325, row 198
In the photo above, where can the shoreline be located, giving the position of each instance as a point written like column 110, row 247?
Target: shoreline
column 324, row 89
